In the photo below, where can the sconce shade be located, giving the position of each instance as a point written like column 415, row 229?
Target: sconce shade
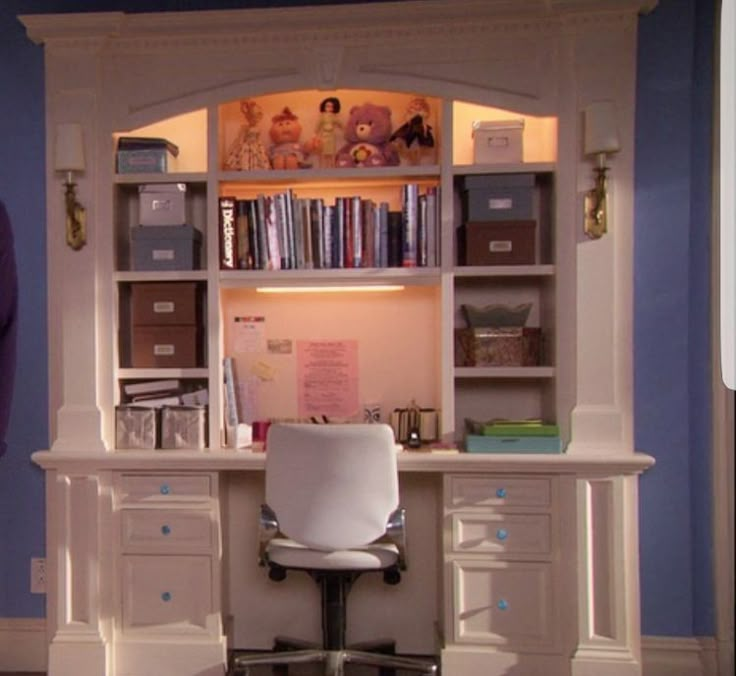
column 601, row 131
column 69, row 155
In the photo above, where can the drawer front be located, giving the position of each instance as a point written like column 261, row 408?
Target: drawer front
column 497, row 491
column 166, row 593
column 502, row 534
column 166, row 530
column 500, row 603
column 164, row 488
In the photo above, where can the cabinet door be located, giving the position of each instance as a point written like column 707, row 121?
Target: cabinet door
column 166, row 594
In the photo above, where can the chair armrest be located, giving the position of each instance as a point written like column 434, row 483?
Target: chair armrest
column 268, row 528
column 396, row 534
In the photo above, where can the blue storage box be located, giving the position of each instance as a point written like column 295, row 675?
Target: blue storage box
column 141, row 155
column 475, row 443
column 498, row 197
column 165, row 247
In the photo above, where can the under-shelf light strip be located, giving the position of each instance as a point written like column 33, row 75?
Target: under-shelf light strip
column 329, row 289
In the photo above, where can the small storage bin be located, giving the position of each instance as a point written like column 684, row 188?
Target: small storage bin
column 165, row 247
column 164, row 303
column 183, row 427
column 496, row 141
column 141, row 155
column 502, row 197
column 165, row 347
column 135, row 427
column 499, row 243
column 162, row 204
column 502, row 346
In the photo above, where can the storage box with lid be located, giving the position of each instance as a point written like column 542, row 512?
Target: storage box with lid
column 165, row 303
column 141, row 155
column 162, row 204
column 498, row 141
column 499, row 243
column 498, row 346
column 165, row 247
column 498, row 197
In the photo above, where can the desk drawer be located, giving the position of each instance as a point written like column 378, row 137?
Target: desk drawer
column 463, row 491
column 144, row 488
column 166, row 593
column 503, row 603
column 166, row 530
column 501, row 534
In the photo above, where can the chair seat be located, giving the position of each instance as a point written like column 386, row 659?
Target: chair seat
column 290, row 554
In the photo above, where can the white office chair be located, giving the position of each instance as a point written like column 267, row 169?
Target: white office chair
column 332, row 510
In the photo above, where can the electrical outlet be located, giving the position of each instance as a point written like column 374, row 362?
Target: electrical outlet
column 38, row 575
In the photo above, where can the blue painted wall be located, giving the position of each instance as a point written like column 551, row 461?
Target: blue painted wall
column 672, row 315
column 672, row 303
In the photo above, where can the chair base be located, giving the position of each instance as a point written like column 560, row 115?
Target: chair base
column 334, row 661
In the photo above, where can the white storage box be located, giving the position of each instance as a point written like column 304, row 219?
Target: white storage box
column 498, row 141
column 162, row 204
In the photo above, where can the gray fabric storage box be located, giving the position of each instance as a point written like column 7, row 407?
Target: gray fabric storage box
column 165, row 247
column 498, row 197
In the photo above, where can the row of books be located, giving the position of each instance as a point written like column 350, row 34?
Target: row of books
column 286, row 232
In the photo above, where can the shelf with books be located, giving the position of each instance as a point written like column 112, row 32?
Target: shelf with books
column 355, row 226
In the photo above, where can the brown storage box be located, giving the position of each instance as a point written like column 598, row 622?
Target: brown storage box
column 165, row 347
column 503, row 346
column 500, row 243
column 164, row 303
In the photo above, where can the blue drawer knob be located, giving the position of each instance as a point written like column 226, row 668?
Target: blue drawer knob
column 166, row 597
column 166, row 530
column 500, row 492
column 165, row 490
column 502, row 533
column 503, row 604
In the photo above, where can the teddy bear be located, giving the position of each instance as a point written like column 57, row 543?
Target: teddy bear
column 286, row 151
column 367, row 133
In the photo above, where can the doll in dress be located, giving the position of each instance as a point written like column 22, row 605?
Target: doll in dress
column 247, row 151
column 325, row 139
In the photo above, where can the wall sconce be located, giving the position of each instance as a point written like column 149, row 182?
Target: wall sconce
column 68, row 158
column 601, row 139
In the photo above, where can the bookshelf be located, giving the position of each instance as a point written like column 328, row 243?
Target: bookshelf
column 404, row 350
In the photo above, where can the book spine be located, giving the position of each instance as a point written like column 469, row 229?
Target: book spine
column 228, row 233
column 245, row 255
column 231, row 409
column 410, row 210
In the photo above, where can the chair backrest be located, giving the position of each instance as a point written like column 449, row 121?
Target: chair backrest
column 332, row 486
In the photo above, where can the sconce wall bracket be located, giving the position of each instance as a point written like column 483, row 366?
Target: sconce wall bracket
column 76, row 218
column 596, row 206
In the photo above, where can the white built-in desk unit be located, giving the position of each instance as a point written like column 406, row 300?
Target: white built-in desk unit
column 523, row 564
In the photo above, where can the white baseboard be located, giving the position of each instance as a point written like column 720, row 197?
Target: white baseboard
column 23, row 648
column 678, row 656
column 23, row 644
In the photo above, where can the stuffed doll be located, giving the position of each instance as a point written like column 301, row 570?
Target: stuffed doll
column 287, row 151
column 367, row 133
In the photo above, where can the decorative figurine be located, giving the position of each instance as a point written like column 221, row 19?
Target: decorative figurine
column 367, row 134
column 286, row 151
column 325, row 139
column 247, row 151
column 414, row 138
